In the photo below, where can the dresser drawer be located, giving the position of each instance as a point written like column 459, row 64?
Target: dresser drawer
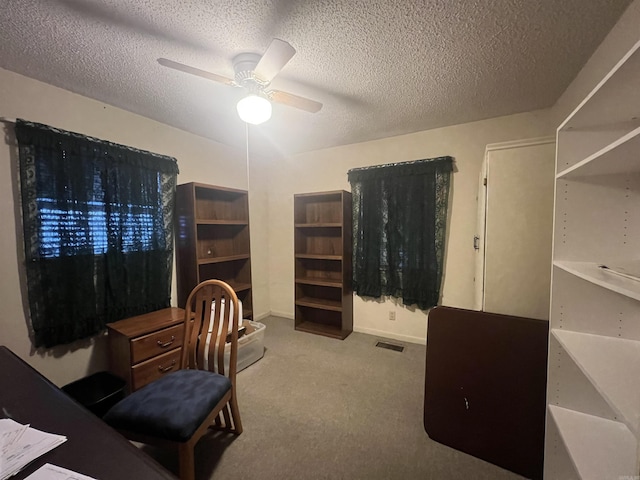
column 139, row 345
column 156, row 343
column 152, row 369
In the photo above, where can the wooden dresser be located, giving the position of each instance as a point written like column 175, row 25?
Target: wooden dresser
column 143, row 348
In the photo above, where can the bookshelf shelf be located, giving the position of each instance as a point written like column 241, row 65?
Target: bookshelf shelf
column 596, row 446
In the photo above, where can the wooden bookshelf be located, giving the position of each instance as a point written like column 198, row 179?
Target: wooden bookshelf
column 213, row 240
column 323, row 296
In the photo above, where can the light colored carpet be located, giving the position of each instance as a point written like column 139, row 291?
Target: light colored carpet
column 319, row 408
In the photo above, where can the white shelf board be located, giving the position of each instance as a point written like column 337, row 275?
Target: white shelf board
column 620, row 156
column 612, row 365
column 597, row 446
column 592, row 272
column 618, row 89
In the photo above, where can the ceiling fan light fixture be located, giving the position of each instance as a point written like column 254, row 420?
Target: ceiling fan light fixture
column 254, row 109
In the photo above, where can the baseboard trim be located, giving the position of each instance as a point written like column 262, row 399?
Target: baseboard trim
column 262, row 316
column 368, row 331
column 275, row 313
column 391, row 335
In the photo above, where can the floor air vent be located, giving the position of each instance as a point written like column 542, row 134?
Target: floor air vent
column 390, row 346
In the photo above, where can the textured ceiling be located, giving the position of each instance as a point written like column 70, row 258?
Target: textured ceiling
column 380, row 67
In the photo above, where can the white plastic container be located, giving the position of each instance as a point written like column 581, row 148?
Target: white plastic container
column 250, row 347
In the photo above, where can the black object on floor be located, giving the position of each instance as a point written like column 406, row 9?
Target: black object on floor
column 390, row 346
column 98, row 392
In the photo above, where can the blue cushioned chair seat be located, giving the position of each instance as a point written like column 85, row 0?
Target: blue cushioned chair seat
column 172, row 407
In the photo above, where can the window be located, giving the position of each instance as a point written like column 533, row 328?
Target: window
column 399, row 225
column 66, row 228
column 98, row 231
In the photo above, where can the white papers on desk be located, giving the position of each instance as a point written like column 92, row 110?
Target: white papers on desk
column 53, row 472
column 21, row 444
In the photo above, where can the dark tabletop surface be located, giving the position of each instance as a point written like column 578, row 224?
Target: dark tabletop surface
column 92, row 447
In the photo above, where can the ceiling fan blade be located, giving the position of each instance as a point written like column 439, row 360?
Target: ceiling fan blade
column 274, row 59
column 295, row 101
column 165, row 62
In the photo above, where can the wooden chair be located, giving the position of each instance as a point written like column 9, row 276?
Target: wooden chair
column 178, row 409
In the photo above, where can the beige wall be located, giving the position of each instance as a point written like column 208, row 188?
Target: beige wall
column 198, row 159
column 327, row 170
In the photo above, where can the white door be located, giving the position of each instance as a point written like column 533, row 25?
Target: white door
column 518, row 225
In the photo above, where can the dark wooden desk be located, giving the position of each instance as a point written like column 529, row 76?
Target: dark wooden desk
column 92, row 448
column 486, row 385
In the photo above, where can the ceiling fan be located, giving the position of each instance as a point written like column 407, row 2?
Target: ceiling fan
column 254, row 73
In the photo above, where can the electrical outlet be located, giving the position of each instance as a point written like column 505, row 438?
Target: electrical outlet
column 392, row 316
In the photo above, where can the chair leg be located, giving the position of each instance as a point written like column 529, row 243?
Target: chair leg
column 187, row 464
column 235, row 413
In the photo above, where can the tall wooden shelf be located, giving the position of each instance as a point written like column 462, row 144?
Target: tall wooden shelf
column 323, row 295
column 593, row 419
column 213, row 240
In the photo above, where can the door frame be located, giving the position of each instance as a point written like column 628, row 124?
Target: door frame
column 480, row 237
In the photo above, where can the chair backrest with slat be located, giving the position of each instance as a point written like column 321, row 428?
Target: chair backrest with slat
column 208, row 326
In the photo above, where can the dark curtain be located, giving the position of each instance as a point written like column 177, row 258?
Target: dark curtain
column 399, row 227
column 98, row 231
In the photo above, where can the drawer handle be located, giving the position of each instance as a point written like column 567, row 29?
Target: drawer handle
column 162, row 344
column 166, row 369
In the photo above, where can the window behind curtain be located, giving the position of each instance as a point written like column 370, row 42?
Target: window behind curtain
column 399, row 228
column 98, row 231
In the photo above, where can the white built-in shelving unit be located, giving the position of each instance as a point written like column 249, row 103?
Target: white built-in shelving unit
column 593, row 392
